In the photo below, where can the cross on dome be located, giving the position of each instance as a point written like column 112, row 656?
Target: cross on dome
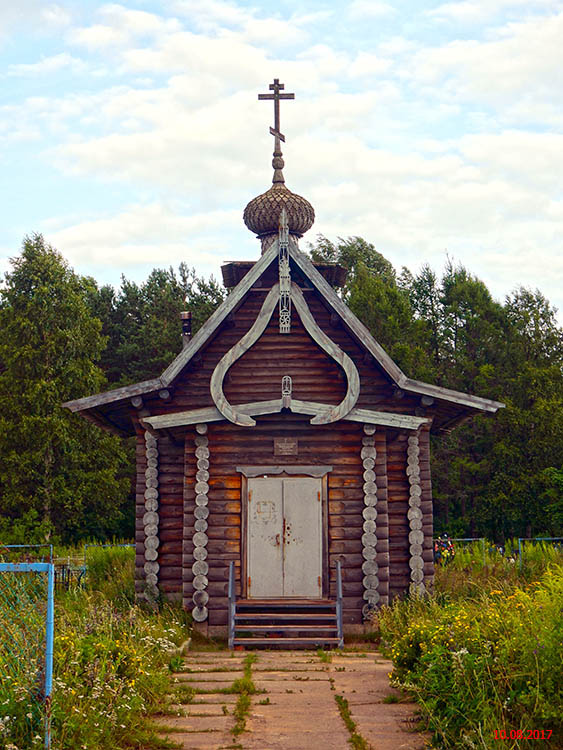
column 276, row 87
column 262, row 214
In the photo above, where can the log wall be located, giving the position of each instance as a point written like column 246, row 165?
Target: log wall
column 398, row 503
column 257, row 376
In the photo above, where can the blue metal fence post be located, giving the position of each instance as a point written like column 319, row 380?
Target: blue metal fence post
column 49, row 638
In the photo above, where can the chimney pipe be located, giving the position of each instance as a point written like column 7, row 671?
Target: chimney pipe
column 186, row 318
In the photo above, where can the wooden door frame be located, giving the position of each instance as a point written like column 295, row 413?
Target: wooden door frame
column 281, row 472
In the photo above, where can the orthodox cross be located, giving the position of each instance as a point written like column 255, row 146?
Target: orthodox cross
column 276, row 87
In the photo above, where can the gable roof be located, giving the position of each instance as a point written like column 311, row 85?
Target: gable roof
column 354, row 326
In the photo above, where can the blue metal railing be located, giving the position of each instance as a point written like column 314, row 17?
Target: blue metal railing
column 340, row 627
column 22, row 604
column 534, row 539
column 24, row 547
column 232, row 604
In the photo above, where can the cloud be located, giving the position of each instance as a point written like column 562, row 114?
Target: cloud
column 480, row 11
column 523, row 59
column 368, row 9
column 143, row 234
column 120, row 28
column 47, row 65
column 417, row 146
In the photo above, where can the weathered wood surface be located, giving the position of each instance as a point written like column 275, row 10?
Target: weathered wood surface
column 231, row 413
column 227, row 308
column 258, row 408
column 426, row 508
column 397, row 503
column 336, row 353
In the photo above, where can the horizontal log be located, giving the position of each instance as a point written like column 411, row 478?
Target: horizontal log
column 170, row 572
column 347, row 561
column 170, row 535
column 344, row 532
column 349, row 574
column 223, row 532
column 223, row 483
column 342, row 507
column 170, row 587
column 170, row 548
column 345, row 546
column 345, row 493
column 351, row 520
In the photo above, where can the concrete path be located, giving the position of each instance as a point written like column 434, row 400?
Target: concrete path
column 297, row 710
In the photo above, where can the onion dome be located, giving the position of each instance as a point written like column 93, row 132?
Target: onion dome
column 262, row 214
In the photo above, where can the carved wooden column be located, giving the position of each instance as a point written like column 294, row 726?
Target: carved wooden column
column 200, row 567
column 416, row 536
column 426, row 507
column 382, row 531
column 150, row 518
column 370, row 580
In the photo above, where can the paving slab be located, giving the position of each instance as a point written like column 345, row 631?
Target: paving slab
column 298, row 711
column 182, row 724
column 209, row 698
column 365, row 685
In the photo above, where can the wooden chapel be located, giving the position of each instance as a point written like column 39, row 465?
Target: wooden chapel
column 284, row 448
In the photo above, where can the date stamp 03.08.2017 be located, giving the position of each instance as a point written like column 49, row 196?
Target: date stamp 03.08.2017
column 522, row 734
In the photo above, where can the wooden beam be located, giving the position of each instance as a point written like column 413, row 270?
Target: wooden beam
column 232, row 413
column 366, row 340
column 118, row 394
column 333, row 413
column 222, row 312
column 456, row 397
column 212, row 414
column 358, row 329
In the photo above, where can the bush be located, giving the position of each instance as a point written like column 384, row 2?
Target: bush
column 485, row 660
column 111, row 660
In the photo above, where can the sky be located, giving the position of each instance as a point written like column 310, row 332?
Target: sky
column 131, row 135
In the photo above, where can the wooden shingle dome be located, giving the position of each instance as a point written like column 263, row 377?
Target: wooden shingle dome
column 262, row 214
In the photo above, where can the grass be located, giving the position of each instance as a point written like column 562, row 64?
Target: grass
column 356, row 740
column 484, row 653
column 111, row 664
column 324, row 656
column 246, row 687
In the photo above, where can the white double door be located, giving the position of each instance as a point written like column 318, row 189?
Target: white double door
column 284, row 537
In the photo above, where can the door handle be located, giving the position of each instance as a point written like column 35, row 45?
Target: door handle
column 278, row 539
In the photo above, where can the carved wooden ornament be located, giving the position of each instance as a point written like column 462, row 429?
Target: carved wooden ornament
column 332, row 413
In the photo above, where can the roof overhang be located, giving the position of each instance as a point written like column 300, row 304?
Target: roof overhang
column 99, row 402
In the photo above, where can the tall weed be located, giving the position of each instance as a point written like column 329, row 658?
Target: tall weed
column 111, row 661
column 483, row 654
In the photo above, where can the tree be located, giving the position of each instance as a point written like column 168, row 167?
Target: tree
column 59, row 476
column 142, row 321
column 353, row 253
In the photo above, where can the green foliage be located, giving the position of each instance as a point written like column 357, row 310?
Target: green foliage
column 110, row 571
column 353, row 253
column 356, row 740
column 142, row 321
column 483, row 655
column 58, row 475
column 110, row 665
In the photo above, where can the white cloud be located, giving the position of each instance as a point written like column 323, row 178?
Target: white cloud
column 154, row 234
column 480, row 11
column 47, row 65
column 524, row 58
column 369, row 9
column 417, row 147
